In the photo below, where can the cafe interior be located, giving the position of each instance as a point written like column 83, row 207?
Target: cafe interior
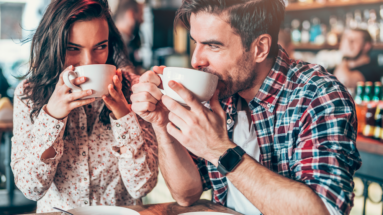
column 314, row 31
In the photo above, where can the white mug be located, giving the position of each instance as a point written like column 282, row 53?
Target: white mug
column 201, row 84
column 99, row 76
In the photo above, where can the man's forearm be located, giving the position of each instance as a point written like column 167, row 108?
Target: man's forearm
column 272, row 193
column 178, row 169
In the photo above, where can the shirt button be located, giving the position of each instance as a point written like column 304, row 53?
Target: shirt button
column 229, row 121
column 57, row 126
column 86, row 202
column 83, row 153
column 268, row 105
column 85, row 179
column 123, row 136
column 89, row 106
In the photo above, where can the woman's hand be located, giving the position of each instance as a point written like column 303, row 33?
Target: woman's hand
column 116, row 101
column 62, row 101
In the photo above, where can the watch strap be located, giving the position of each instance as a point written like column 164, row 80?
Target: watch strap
column 239, row 151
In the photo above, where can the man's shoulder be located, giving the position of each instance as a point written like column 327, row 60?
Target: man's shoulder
column 313, row 79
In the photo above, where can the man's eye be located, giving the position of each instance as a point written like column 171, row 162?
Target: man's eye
column 72, row 49
column 101, row 47
column 213, row 47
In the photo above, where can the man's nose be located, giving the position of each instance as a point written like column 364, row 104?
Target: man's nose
column 199, row 60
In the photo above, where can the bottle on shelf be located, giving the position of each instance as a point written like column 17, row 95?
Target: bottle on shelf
column 372, row 26
column 359, row 107
column 379, row 110
column 369, row 128
column 295, row 33
column 305, row 37
column 381, row 24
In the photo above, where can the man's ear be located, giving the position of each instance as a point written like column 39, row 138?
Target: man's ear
column 261, row 47
column 367, row 47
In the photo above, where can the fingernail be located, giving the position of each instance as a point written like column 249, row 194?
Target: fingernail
column 83, row 79
column 171, row 84
column 90, row 92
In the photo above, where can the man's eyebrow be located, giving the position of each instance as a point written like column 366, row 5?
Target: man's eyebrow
column 209, row 42
column 77, row 45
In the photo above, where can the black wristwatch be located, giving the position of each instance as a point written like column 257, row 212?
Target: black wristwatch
column 230, row 160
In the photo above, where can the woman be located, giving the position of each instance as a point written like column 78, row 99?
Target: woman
column 68, row 152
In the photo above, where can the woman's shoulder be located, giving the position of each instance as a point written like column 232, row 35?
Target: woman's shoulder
column 20, row 91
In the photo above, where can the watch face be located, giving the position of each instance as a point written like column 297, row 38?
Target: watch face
column 230, row 160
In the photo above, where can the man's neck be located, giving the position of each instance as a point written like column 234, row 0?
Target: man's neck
column 360, row 61
column 263, row 70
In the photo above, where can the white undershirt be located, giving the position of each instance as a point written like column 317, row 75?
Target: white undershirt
column 247, row 140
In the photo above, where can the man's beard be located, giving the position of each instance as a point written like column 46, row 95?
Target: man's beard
column 243, row 79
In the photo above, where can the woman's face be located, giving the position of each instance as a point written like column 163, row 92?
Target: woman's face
column 88, row 43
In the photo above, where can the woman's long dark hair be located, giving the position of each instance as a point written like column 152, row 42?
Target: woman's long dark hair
column 49, row 49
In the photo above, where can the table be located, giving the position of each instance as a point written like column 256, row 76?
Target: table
column 174, row 209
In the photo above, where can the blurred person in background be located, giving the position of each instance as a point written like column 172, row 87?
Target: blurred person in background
column 128, row 18
column 357, row 65
column 284, row 39
column 67, row 151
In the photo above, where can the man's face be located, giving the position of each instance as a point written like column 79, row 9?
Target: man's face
column 220, row 51
column 352, row 44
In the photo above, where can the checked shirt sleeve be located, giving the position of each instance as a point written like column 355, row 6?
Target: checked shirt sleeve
column 203, row 171
column 326, row 157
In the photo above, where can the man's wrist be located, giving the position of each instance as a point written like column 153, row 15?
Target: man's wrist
column 216, row 154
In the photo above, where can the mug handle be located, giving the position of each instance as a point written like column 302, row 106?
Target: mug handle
column 68, row 76
column 162, row 80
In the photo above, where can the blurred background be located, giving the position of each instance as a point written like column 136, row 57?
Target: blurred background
column 343, row 36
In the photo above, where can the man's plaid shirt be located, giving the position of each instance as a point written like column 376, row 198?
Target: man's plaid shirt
column 306, row 127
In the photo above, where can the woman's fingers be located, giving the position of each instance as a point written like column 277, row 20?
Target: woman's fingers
column 80, row 103
column 61, row 79
column 117, row 83
column 113, row 93
column 79, row 80
column 75, row 96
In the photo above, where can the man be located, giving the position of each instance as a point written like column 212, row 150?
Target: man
column 357, row 65
column 128, row 18
column 295, row 122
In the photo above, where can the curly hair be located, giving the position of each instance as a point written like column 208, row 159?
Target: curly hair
column 49, row 49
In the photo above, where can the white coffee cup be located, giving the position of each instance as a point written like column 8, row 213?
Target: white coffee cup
column 201, row 84
column 99, row 76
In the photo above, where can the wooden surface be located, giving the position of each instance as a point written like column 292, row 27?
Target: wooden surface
column 338, row 3
column 369, row 145
column 174, row 209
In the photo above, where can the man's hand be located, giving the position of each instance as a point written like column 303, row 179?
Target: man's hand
column 146, row 98
column 202, row 132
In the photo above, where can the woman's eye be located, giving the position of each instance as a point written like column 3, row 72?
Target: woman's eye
column 72, row 49
column 101, row 47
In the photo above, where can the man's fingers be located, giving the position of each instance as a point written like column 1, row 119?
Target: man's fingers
column 189, row 98
column 78, row 95
column 79, row 80
column 150, row 77
column 143, row 97
column 216, row 106
column 159, row 69
column 177, row 109
column 177, row 121
column 173, row 131
column 143, row 107
column 147, row 87
column 80, row 103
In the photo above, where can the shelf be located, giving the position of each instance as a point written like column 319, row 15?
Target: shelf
column 309, row 46
column 369, row 145
column 339, row 3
